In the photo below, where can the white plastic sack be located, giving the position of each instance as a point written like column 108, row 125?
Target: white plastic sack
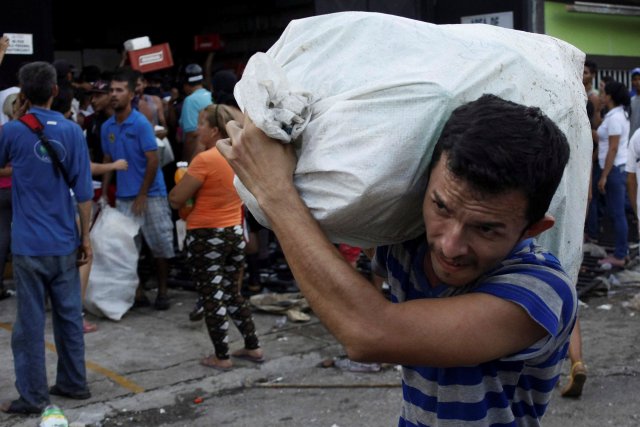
column 381, row 88
column 114, row 273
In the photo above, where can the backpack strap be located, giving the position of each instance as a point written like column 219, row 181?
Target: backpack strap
column 32, row 122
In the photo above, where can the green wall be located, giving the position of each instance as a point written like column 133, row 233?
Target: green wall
column 594, row 34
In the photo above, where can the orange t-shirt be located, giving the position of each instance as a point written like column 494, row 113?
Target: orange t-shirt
column 217, row 203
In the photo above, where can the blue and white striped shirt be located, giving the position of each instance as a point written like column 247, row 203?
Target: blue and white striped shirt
column 511, row 391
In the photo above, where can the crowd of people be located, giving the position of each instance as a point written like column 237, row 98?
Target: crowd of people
column 480, row 316
column 106, row 131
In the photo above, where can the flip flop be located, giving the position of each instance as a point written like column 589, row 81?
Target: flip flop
column 577, row 378
column 245, row 356
column 19, row 406
column 206, row 362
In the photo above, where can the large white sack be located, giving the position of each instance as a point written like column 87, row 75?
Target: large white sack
column 114, row 273
column 381, row 88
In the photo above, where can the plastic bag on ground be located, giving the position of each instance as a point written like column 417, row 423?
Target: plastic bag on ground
column 114, row 273
column 380, row 89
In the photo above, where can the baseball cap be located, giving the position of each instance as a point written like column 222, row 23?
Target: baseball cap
column 635, row 71
column 100, row 86
column 193, row 74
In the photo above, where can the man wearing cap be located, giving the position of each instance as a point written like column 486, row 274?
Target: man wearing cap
column 634, row 120
column 197, row 98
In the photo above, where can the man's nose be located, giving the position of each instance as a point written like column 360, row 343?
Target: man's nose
column 454, row 242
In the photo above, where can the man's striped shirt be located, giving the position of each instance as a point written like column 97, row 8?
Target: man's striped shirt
column 511, row 391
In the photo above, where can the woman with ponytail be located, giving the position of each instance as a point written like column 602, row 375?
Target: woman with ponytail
column 215, row 243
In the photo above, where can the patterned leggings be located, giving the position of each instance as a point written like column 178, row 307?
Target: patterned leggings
column 216, row 257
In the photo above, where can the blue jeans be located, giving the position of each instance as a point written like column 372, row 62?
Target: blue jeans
column 596, row 206
column 615, row 196
column 34, row 278
column 5, row 229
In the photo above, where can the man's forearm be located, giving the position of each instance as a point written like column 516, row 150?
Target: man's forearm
column 106, row 178
column 84, row 211
column 332, row 287
column 149, row 174
column 190, row 143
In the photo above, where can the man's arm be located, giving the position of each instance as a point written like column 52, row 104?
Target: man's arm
column 85, row 253
column 106, row 177
column 453, row 331
column 190, row 145
column 4, row 45
column 160, row 108
column 184, row 190
column 140, row 202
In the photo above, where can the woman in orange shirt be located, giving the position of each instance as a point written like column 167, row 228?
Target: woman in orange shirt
column 215, row 243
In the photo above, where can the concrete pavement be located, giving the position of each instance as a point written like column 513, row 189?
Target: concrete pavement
column 145, row 371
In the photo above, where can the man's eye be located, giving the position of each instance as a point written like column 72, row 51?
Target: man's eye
column 485, row 229
column 439, row 205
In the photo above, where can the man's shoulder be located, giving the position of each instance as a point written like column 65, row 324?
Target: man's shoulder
column 528, row 254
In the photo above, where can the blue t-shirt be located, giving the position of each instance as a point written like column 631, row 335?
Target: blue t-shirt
column 43, row 209
column 191, row 107
column 130, row 140
column 511, row 391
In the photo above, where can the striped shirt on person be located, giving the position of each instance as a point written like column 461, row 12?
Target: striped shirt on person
column 511, row 391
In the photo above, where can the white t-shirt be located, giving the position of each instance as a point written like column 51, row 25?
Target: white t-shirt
column 615, row 123
column 633, row 161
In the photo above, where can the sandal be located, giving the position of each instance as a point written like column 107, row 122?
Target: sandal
column 210, row 362
column 577, row 378
column 245, row 355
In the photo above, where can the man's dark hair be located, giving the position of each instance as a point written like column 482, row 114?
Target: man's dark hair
column 126, row 75
column 593, row 68
column 498, row 146
column 62, row 102
column 37, row 80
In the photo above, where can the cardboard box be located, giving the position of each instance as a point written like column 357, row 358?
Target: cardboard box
column 207, row 43
column 152, row 58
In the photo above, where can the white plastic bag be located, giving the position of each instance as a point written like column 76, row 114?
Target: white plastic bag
column 114, row 274
column 381, row 88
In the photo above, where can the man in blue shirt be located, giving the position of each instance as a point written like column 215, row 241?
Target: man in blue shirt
column 46, row 245
column 197, row 98
column 140, row 190
column 480, row 316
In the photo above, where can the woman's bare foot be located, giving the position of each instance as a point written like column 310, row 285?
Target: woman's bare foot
column 255, row 355
column 215, row 363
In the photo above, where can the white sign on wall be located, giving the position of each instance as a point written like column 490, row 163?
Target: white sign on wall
column 499, row 19
column 20, row 44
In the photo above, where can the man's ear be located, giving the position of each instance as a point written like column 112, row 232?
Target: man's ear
column 539, row 226
column 55, row 91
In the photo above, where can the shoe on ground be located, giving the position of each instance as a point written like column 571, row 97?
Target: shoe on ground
column 19, row 406
column 162, row 303
column 198, row 311
column 142, row 301
column 77, row 395
column 6, row 293
column 577, row 378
